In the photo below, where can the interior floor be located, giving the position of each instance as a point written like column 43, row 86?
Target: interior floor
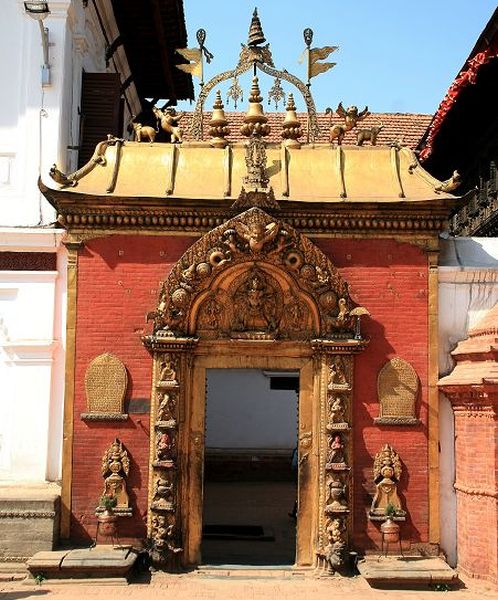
column 265, row 504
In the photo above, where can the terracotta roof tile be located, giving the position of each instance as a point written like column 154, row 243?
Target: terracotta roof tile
column 407, row 127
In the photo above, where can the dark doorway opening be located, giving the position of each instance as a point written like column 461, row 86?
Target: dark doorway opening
column 250, row 478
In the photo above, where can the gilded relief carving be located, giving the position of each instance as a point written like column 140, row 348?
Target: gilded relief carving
column 333, row 554
column 387, row 473
column 106, row 381
column 115, row 468
column 254, row 237
column 397, row 390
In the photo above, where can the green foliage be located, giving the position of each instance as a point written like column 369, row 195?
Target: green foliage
column 108, row 502
column 390, row 510
column 39, row 578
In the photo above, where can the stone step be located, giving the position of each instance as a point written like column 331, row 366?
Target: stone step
column 406, row 572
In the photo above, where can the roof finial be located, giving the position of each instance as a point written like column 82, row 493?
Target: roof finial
column 256, row 35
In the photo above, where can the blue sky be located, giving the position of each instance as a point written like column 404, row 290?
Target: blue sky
column 395, row 56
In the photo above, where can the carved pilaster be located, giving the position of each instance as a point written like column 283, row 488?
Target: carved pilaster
column 170, row 374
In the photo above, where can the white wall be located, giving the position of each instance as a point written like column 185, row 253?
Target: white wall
column 242, row 411
column 31, row 366
column 468, row 288
column 37, row 124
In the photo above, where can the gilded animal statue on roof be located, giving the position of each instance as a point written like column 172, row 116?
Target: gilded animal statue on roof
column 351, row 117
column 168, row 119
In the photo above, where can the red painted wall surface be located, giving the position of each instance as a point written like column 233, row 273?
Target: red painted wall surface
column 391, row 281
column 118, row 280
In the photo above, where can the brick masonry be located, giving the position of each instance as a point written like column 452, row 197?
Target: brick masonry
column 118, row 282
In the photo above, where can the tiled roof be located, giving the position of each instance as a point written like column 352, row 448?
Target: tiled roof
column 406, row 128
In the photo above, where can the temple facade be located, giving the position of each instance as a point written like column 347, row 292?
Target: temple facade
column 316, row 260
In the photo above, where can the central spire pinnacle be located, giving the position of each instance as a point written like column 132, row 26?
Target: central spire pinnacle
column 256, row 35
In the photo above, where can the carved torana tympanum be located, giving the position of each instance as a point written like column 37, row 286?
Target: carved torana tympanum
column 293, row 289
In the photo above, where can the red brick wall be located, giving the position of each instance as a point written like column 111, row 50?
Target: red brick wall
column 390, row 280
column 118, row 283
column 476, row 457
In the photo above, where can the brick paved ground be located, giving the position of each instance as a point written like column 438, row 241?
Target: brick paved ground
column 194, row 587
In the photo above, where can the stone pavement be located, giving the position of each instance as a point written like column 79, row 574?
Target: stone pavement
column 196, row 587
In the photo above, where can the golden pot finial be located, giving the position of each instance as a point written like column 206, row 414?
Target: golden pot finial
column 218, row 125
column 255, row 122
column 256, row 35
column 292, row 127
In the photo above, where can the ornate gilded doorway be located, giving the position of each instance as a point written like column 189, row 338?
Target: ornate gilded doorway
column 253, row 293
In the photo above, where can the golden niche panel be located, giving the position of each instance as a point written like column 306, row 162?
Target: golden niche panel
column 106, row 381
column 397, row 390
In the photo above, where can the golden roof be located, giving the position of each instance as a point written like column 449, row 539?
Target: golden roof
column 318, row 173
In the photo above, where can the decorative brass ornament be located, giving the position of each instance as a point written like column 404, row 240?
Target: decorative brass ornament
column 369, row 135
column 106, row 381
column 235, row 92
column 98, row 158
column 291, row 125
column 450, row 185
column 143, row 132
column 115, row 467
column 351, row 117
column 168, row 119
column 218, row 129
column 255, row 121
column 195, row 56
column 387, row 474
column 257, row 238
column 253, row 56
column 276, row 93
column 397, row 390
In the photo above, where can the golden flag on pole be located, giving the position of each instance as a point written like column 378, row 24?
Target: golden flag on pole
column 316, row 54
column 195, row 56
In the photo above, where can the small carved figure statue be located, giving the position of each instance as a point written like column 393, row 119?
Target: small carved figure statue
column 255, row 305
column 337, row 376
column 164, row 535
column 333, row 553
column 387, row 473
column 351, row 118
column 336, row 502
column 336, row 409
column 166, row 409
column 165, row 446
column 115, row 464
column 168, row 372
column 335, row 453
column 368, row 135
column 257, row 235
column 143, row 132
column 169, row 119
column 164, row 493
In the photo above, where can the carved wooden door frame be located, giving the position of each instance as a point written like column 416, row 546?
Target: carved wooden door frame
column 253, row 293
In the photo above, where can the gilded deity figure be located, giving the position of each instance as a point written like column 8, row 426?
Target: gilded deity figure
column 387, row 473
column 335, row 452
column 255, row 305
column 167, row 372
column 116, row 465
column 166, row 409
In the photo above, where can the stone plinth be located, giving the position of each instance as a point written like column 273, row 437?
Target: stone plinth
column 101, row 562
column 29, row 519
